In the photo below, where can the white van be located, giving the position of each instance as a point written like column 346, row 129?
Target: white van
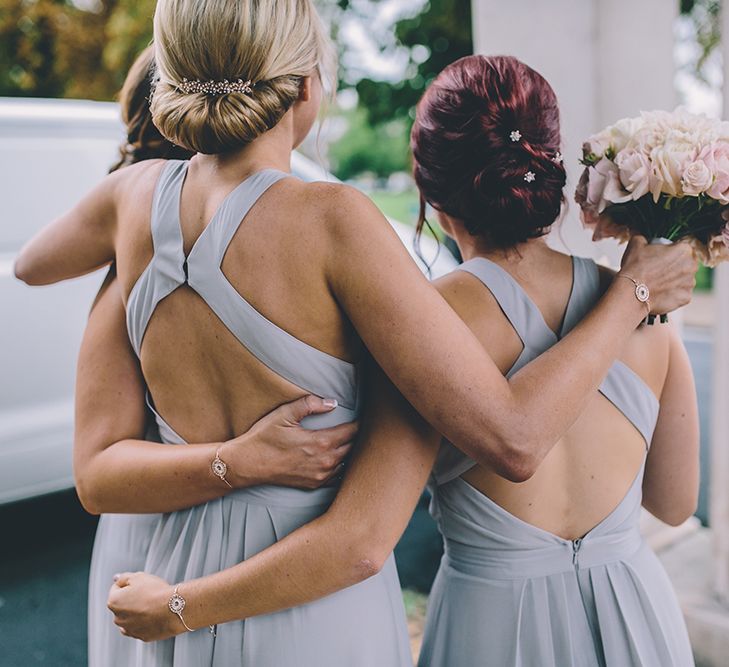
column 51, row 153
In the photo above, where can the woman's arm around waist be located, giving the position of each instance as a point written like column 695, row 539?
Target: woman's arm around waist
column 346, row 545
column 117, row 470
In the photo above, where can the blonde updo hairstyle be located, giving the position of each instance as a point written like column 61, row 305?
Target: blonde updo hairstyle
column 272, row 43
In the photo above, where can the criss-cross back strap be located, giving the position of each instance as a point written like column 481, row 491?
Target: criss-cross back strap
column 296, row 361
column 585, row 287
column 519, row 309
column 299, row 363
column 165, row 271
column 624, row 388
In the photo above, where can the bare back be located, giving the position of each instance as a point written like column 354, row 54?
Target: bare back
column 590, row 470
column 203, row 378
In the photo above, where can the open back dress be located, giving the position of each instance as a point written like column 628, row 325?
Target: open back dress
column 509, row 594
column 361, row 626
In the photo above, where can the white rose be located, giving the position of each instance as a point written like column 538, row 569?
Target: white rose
column 622, row 134
column 667, row 166
column 598, row 143
column 697, row 178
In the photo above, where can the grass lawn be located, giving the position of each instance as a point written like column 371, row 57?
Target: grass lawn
column 415, row 605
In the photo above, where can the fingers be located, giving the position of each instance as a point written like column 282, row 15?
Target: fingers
column 637, row 241
column 331, row 465
column 336, row 436
column 305, row 406
column 122, row 580
column 337, row 473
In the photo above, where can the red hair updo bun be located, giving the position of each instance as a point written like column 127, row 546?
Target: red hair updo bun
column 486, row 145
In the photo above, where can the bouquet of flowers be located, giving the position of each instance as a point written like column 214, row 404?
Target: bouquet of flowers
column 664, row 175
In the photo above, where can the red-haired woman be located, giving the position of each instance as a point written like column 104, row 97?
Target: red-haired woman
column 551, row 572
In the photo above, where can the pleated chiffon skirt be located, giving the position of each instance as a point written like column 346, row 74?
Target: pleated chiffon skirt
column 361, row 626
column 121, row 545
column 508, row 594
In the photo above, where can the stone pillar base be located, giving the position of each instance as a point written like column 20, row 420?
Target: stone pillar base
column 688, row 561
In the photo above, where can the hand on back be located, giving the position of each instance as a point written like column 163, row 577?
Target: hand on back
column 278, row 450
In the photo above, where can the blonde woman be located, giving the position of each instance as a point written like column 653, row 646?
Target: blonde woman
column 125, row 480
column 245, row 288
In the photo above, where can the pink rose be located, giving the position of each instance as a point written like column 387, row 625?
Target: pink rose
column 668, row 164
column 605, row 187
column 716, row 157
column 635, row 172
column 697, row 178
column 601, row 224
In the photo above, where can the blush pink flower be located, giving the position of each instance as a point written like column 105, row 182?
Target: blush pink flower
column 716, row 157
column 697, row 178
column 601, row 224
column 634, row 170
column 668, row 165
column 604, row 186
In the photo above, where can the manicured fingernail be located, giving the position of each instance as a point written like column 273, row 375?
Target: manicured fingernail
column 330, row 403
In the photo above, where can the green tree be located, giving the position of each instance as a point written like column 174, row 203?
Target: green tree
column 51, row 48
column 705, row 16
column 377, row 141
column 380, row 149
column 436, row 37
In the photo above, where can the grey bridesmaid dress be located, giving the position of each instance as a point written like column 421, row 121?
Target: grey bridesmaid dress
column 361, row 626
column 509, row 594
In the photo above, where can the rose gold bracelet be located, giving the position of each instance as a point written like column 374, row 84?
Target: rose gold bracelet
column 642, row 293
column 177, row 604
column 220, row 468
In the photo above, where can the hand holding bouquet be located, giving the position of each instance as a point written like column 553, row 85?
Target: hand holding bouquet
column 663, row 175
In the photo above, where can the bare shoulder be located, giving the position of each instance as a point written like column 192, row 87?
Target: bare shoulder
column 467, row 295
column 342, row 208
column 476, row 306
column 457, row 287
column 137, row 179
column 134, row 191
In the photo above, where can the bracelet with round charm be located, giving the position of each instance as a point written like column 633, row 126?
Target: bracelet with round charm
column 177, row 604
column 220, row 468
column 642, row 293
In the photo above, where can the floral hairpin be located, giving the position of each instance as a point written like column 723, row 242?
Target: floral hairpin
column 215, row 87
column 558, row 158
column 530, row 177
column 515, row 135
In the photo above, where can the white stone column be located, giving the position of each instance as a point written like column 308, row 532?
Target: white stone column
column 719, row 498
column 606, row 59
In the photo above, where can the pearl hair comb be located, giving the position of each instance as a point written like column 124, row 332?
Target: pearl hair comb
column 215, row 87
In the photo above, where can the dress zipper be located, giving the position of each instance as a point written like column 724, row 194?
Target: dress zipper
column 576, row 544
